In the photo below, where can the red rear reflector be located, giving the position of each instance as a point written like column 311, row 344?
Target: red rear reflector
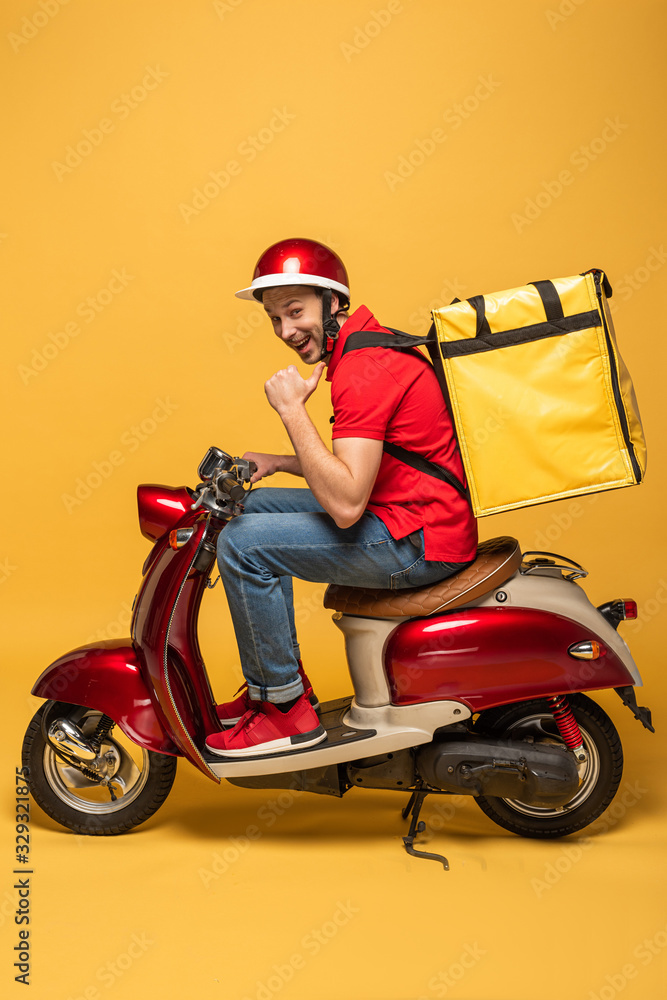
column 630, row 609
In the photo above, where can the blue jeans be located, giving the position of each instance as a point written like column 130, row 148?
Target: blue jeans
column 285, row 533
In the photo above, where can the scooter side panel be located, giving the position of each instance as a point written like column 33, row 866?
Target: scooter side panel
column 493, row 656
column 106, row 676
column 552, row 593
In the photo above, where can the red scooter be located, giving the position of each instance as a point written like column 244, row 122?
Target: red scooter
column 470, row 686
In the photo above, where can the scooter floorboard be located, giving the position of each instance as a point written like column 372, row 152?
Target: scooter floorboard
column 331, row 716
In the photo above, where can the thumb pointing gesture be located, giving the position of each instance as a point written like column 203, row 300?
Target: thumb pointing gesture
column 311, row 383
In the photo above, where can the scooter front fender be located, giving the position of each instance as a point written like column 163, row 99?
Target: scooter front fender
column 106, row 676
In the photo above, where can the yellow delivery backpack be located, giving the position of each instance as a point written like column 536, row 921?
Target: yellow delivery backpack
column 543, row 405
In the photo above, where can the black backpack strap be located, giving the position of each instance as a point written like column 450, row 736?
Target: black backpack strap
column 553, row 307
column 422, row 464
column 397, row 340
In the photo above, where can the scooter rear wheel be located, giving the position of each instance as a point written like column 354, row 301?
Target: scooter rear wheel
column 141, row 779
column 599, row 776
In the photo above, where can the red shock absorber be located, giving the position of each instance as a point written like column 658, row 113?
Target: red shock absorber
column 567, row 726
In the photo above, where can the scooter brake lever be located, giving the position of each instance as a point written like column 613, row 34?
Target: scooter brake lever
column 200, row 499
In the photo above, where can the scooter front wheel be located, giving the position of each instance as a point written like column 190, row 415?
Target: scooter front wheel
column 136, row 781
column 599, row 776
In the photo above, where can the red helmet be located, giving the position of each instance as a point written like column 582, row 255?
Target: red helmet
column 298, row 262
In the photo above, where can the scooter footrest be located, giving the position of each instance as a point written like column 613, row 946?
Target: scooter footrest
column 331, row 715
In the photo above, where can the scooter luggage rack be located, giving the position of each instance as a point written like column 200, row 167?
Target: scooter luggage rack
column 544, row 561
column 331, row 716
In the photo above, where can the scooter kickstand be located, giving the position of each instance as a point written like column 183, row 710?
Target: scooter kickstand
column 411, row 801
column 415, row 803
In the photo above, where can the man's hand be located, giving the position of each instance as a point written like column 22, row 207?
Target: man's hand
column 268, row 465
column 287, row 389
column 343, row 481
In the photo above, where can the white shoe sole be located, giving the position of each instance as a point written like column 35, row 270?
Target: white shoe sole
column 283, row 745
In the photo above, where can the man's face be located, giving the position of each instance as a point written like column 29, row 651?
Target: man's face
column 295, row 312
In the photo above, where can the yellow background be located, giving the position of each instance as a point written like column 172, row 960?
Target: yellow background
column 541, row 132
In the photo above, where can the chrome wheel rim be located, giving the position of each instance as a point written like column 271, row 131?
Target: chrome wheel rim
column 542, row 727
column 128, row 773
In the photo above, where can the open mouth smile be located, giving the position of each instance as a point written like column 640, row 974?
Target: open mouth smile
column 300, row 345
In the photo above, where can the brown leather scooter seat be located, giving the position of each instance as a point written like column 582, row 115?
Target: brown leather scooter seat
column 497, row 560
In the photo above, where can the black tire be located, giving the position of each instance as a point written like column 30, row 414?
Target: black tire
column 81, row 804
column 599, row 777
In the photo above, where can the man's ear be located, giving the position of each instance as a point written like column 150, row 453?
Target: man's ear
column 335, row 303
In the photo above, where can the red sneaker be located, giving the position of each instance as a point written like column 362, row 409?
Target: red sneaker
column 265, row 729
column 230, row 712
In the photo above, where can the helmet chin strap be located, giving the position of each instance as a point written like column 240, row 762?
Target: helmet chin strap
column 329, row 325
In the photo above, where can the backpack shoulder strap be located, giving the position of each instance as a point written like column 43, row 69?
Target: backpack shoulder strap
column 422, row 464
column 397, row 340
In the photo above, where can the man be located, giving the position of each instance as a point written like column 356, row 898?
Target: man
column 366, row 519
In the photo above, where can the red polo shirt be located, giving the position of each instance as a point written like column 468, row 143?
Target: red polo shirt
column 394, row 396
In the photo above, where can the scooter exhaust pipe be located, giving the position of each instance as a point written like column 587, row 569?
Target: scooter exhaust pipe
column 68, row 738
